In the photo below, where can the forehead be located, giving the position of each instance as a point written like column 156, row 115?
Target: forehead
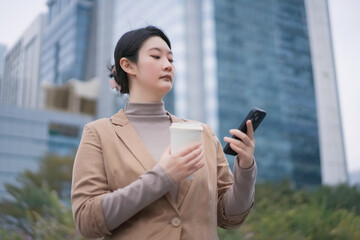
column 155, row 43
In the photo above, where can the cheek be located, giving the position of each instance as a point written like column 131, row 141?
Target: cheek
column 149, row 71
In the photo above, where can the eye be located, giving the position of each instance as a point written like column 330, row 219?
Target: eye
column 171, row 60
column 156, row 57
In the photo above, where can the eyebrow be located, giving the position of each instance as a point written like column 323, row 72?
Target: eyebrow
column 155, row 48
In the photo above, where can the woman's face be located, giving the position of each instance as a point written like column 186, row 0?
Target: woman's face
column 155, row 69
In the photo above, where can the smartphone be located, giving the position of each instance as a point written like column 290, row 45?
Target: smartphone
column 256, row 116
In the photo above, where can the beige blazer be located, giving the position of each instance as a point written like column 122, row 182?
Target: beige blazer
column 111, row 155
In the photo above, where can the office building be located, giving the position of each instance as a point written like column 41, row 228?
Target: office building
column 114, row 18
column 61, row 38
column 264, row 60
column 332, row 150
column 2, row 63
column 229, row 57
column 278, row 56
column 74, row 96
column 20, row 84
column 232, row 56
column 2, row 59
column 27, row 135
column 65, row 45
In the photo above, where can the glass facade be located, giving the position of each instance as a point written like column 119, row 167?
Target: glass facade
column 65, row 43
column 263, row 60
column 27, row 135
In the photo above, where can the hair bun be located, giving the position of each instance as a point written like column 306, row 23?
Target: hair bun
column 113, row 76
column 112, row 71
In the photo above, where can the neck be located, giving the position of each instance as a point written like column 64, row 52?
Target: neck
column 140, row 96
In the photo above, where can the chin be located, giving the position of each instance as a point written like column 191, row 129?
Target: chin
column 165, row 87
column 165, row 90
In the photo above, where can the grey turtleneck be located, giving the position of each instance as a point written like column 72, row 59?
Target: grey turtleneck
column 151, row 122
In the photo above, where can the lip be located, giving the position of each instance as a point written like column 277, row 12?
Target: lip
column 167, row 76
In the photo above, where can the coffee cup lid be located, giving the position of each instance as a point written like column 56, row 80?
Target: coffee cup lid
column 186, row 126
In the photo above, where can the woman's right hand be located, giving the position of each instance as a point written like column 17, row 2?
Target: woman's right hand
column 184, row 162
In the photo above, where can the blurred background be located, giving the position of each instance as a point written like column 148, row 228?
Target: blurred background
column 296, row 59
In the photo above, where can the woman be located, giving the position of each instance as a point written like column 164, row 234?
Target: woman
column 127, row 184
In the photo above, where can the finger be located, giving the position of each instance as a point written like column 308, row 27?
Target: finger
column 241, row 135
column 250, row 130
column 188, row 149
column 237, row 149
column 190, row 156
column 195, row 160
column 234, row 141
column 169, row 149
column 197, row 167
column 199, row 163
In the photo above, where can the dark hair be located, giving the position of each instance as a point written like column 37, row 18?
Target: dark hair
column 128, row 46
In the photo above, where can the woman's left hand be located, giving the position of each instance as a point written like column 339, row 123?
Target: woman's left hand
column 245, row 149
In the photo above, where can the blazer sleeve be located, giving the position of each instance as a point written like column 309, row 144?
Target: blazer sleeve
column 225, row 180
column 89, row 183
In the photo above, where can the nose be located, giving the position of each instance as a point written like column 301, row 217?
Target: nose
column 168, row 66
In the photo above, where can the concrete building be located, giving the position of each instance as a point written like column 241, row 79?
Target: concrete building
column 2, row 63
column 74, row 96
column 332, row 152
column 20, row 85
column 27, row 135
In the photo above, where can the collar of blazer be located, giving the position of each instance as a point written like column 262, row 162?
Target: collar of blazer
column 125, row 130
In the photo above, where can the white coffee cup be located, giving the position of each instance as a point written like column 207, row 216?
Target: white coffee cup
column 183, row 134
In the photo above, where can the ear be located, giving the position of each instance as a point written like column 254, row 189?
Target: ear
column 128, row 66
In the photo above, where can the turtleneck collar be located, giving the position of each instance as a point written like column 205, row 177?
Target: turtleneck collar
column 148, row 108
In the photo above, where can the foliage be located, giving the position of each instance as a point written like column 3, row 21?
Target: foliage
column 5, row 235
column 54, row 171
column 34, row 208
column 284, row 213
column 281, row 212
column 58, row 224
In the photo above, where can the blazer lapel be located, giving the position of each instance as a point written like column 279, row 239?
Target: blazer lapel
column 127, row 133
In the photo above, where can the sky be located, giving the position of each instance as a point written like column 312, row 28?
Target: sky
column 345, row 22
column 16, row 16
